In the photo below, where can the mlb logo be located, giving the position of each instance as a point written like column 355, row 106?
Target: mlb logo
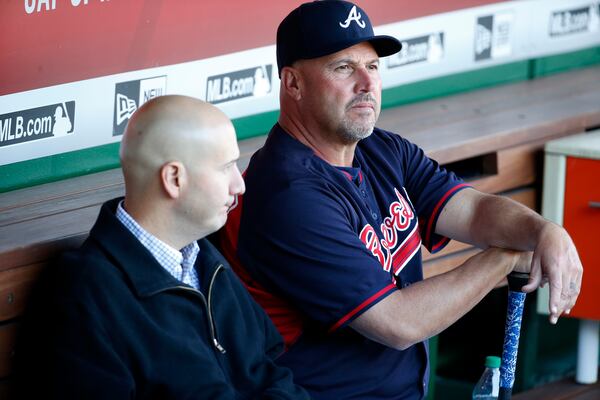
column 129, row 96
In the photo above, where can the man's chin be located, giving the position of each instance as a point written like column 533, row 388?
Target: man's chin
column 355, row 134
column 218, row 222
column 366, row 135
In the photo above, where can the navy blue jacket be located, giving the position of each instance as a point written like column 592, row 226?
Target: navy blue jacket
column 109, row 322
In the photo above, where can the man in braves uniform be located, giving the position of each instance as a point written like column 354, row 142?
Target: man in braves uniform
column 335, row 213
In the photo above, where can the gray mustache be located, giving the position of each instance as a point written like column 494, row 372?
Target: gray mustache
column 362, row 98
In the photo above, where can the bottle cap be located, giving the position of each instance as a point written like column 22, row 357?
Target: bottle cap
column 492, row 362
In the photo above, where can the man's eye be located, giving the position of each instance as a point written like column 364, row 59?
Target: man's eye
column 374, row 67
column 344, row 67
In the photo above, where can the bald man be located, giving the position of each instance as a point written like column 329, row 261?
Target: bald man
column 145, row 310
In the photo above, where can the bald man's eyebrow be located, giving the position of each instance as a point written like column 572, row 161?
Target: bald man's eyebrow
column 231, row 163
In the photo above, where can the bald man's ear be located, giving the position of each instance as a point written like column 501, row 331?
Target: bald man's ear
column 291, row 82
column 173, row 177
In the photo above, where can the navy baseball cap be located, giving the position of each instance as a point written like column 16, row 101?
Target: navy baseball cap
column 324, row 27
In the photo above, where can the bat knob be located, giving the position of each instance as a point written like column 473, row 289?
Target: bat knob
column 516, row 281
column 505, row 394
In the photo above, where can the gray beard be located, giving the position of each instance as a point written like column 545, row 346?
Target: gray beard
column 354, row 132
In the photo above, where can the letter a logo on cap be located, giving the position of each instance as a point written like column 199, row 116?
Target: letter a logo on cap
column 353, row 16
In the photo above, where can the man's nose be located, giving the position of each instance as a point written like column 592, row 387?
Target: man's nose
column 238, row 186
column 367, row 80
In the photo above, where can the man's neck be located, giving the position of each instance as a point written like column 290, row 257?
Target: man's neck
column 160, row 226
column 325, row 145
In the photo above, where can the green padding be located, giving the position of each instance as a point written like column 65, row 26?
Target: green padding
column 433, row 356
column 54, row 168
column 62, row 166
column 255, row 125
column 564, row 62
column 456, row 83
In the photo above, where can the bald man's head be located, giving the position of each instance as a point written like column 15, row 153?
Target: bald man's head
column 176, row 155
column 163, row 130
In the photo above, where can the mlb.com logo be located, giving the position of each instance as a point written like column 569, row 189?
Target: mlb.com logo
column 129, row 96
column 428, row 48
column 251, row 82
column 53, row 120
column 576, row 20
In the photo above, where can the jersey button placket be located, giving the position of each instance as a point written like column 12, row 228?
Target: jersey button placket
column 367, row 200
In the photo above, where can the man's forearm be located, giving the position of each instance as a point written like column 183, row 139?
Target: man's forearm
column 425, row 308
column 487, row 220
column 502, row 222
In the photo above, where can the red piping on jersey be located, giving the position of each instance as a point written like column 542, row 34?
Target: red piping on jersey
column 362, row 306
column 437, row 209
column 287, row 319
column 347, row 174
column 407, row 251
column 440, row 244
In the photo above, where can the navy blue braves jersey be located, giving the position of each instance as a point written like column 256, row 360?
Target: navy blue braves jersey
column 318, row 245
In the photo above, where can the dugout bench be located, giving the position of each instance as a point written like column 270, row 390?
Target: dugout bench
column 492, row 137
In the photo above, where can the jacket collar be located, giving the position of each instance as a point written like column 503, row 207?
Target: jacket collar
column 145, row 274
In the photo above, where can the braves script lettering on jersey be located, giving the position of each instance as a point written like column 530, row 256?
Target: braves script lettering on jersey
column 401, row 215
column 320, row 245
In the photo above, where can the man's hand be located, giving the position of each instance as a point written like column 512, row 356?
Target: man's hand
column 555, row 260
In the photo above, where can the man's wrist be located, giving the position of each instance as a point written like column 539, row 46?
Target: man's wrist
column 540, row 228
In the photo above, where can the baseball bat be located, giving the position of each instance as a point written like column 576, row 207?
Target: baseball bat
column 512, row 331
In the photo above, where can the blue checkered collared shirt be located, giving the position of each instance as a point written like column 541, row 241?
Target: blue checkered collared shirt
column 180, row 264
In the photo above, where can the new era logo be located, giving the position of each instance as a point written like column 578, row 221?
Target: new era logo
column 494, row 36
column 129, row 96
column 125, row 108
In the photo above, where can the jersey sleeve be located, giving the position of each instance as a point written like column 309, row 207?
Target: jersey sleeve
column 429, row 186
column 305, row 245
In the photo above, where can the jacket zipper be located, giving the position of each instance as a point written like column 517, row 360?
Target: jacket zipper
column 208, row 307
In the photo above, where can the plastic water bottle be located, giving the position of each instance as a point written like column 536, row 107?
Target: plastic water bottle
column 488, row 386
